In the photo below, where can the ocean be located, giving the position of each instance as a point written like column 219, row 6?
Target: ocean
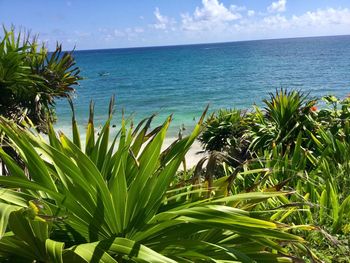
column 183, row 80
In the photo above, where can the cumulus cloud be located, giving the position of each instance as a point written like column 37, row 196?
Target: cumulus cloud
column 251, row 13
column 163, row 22
column 278, row 6
column 319, row 19
column 275, row 22
column 129, row 33
column 325, row 17
column 211, row 14
column 329, row 21
column 213, row 10
column 214, row 21
column 252, row 25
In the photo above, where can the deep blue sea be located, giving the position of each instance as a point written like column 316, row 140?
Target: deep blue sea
column 183, row 79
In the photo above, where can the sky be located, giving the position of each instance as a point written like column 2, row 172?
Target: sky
column 92, row 24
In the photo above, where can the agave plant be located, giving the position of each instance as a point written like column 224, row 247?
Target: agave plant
column 286, row 115
column 115, row 202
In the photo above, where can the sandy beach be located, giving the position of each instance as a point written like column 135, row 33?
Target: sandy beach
column 193, row 155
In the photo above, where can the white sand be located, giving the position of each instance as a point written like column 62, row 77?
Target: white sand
column 192, row 156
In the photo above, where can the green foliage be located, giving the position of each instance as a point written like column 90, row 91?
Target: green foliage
column 31, row 78
column 335, row 117
column 225, row 138
column 296, row 147
column 224, row 129
column 241, row 135
column 116, row 202
column 285, row 115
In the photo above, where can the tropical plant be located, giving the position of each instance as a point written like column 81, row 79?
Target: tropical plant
column 335, row 116
column 237, row 137
column 115, row 202
column 226, row 140
column 295, row 147
column 224, row 128
column 321, row 194
column 31, row 78
column 285, row 115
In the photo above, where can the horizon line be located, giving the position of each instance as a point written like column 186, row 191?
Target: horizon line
column 206, row 43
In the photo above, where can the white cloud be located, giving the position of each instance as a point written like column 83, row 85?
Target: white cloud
column 325, row 17
column 118, row 33
column 237, row 9
column 251, row 13
column 215, row 22
column 318, row 21
column 129, row 33
column 163, row 22
column 275, row 22
column 213, row 10
column 278, row 6
column 139, row 30
column 212, row 13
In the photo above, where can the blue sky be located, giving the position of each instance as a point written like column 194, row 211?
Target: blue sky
column 92, row 24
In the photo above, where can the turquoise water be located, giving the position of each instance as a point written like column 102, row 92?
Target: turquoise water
column 183, row 79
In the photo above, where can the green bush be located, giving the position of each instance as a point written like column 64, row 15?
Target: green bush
column 297, row 147
column 224, row 129
column 285, row 115
column 117, row 203
column 31, row 78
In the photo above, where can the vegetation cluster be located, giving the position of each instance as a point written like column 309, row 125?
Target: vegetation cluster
column 31, row 78
column 289, row 145
column 274, row 186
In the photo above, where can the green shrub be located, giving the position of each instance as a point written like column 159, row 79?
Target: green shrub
column 31, row 78
column 295, row 147
column 223, row 129
column 285, row 115
column 117, row 203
